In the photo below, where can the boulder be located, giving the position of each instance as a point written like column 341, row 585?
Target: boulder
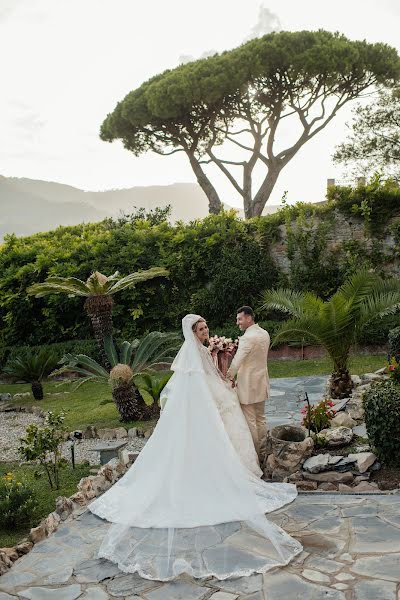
column 306, row 486
column 296, row 476
column 339, row 404
column 342, row 419
column 90, row 433
column 37, row 534
column 5, row 397
column 148, row 432
column 64, row 507
column 360, row 430
column 330, row 476
column 106, row 433
column 119, row 433
column 51, row 522
column 342, row 487
column 365, row 486
column 321, row 462
column 5, row 563
column 339, row 436
column 11, row 553
column 327, row 486
column 79, row 498
column 370, row 377
column 24, row 548
column 364, row 460
column 132, row 432
column 356, row 379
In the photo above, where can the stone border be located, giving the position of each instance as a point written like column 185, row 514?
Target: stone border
column 88, row 488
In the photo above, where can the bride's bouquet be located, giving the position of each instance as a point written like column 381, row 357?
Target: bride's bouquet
column 222, row 350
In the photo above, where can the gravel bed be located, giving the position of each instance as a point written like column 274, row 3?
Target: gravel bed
column 13, row 426
column 84, row 453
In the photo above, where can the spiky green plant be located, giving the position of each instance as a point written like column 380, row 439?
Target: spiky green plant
column 155, row 351
column 32, row 367
column 337, row 323
column 98, row 290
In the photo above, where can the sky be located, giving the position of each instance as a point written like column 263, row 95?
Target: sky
column 66, row 63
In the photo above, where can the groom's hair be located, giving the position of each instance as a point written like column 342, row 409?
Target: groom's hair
column 247, row 310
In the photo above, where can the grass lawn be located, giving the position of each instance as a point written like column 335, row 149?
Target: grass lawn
column 91, row 404
column 44, row 495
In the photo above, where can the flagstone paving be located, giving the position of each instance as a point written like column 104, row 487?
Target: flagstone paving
column 351, row 552
column 287, row 398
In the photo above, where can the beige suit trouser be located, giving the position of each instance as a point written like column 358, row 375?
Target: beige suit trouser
column 255, row 417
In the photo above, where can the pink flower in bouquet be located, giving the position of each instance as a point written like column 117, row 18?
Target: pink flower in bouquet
column 222, row 350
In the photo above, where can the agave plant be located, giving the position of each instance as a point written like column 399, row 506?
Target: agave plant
column 32, row 367
column 337, row 323
column 98, row 290
column 155, row 351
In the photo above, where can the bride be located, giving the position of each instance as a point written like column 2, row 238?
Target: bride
column 193, row 501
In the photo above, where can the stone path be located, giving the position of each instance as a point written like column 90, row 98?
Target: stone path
column 284, row 405
column 351, row 552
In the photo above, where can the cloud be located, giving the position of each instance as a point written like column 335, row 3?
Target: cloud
column 266, row 23
column 186, row 58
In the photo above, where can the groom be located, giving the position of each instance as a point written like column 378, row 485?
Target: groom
column 250, row 366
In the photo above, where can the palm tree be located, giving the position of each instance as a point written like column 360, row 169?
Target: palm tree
column 335, row 324
column 132, row 398
column 32, row 367
column 98, row 290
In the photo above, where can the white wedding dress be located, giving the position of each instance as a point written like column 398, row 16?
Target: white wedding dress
column 191, row 502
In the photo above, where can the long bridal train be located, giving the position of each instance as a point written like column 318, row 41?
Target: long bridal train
column 189, row 504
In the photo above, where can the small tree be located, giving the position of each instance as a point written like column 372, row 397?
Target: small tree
column 32, row 367
column 43, row 444
column 241, row 97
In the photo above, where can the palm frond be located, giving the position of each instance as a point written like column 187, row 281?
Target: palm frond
column 152, row 349
column 377, row 306
column 133, row 278
column 59, row 285
column 111, row 351
column 296, row 330
column 286, row 300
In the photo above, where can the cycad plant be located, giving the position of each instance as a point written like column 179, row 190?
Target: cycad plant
column 98, row 290
column 32, row 367
column 337, row 323
column 155, row 351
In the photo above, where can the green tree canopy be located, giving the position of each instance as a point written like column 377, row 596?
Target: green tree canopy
column 374, row 141
column 240, row 97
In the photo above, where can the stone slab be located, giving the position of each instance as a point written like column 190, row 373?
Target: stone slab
column 178, row 590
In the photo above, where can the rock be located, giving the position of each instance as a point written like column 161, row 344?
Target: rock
column 342, row 419
column 51, row 522
column 381, row 371
column 79, row 498
column 93, row 485
column 345, row 464
column 119, row 433
column 11, row 553
column 344, row 488
column 306, row 485
column 106, row 433
column 365, row 486
column 364, row 460
column 5, row 397
column 69, row 592
column 148, row 432
column 85, row 486
column 356, row 379
column 5, row 563
column 330, row 476
column 64, row 507
column 339, row 436
column 339, row 404
column 361, row 430
column 376, row 466
column 359, row 478
column 370, row 377
column 132, row 432
column 315, row 576
column 327, row 486
column 296, row 476
column 90, row 433
column 24, row 547
column 37, row 534
column 315, row 464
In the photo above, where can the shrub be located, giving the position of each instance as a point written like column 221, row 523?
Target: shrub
column 394, row 343
column 17, row 502
column 382, row 419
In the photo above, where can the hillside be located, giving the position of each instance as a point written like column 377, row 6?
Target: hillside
column 29, row 206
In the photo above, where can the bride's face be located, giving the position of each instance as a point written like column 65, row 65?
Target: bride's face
column 201, row 331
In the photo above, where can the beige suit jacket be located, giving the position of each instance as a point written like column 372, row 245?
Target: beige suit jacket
column 250, row 365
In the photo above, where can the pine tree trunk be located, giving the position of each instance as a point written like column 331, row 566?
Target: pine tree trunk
column 99, row 310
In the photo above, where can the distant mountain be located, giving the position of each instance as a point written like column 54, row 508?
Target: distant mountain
column 29, row 206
